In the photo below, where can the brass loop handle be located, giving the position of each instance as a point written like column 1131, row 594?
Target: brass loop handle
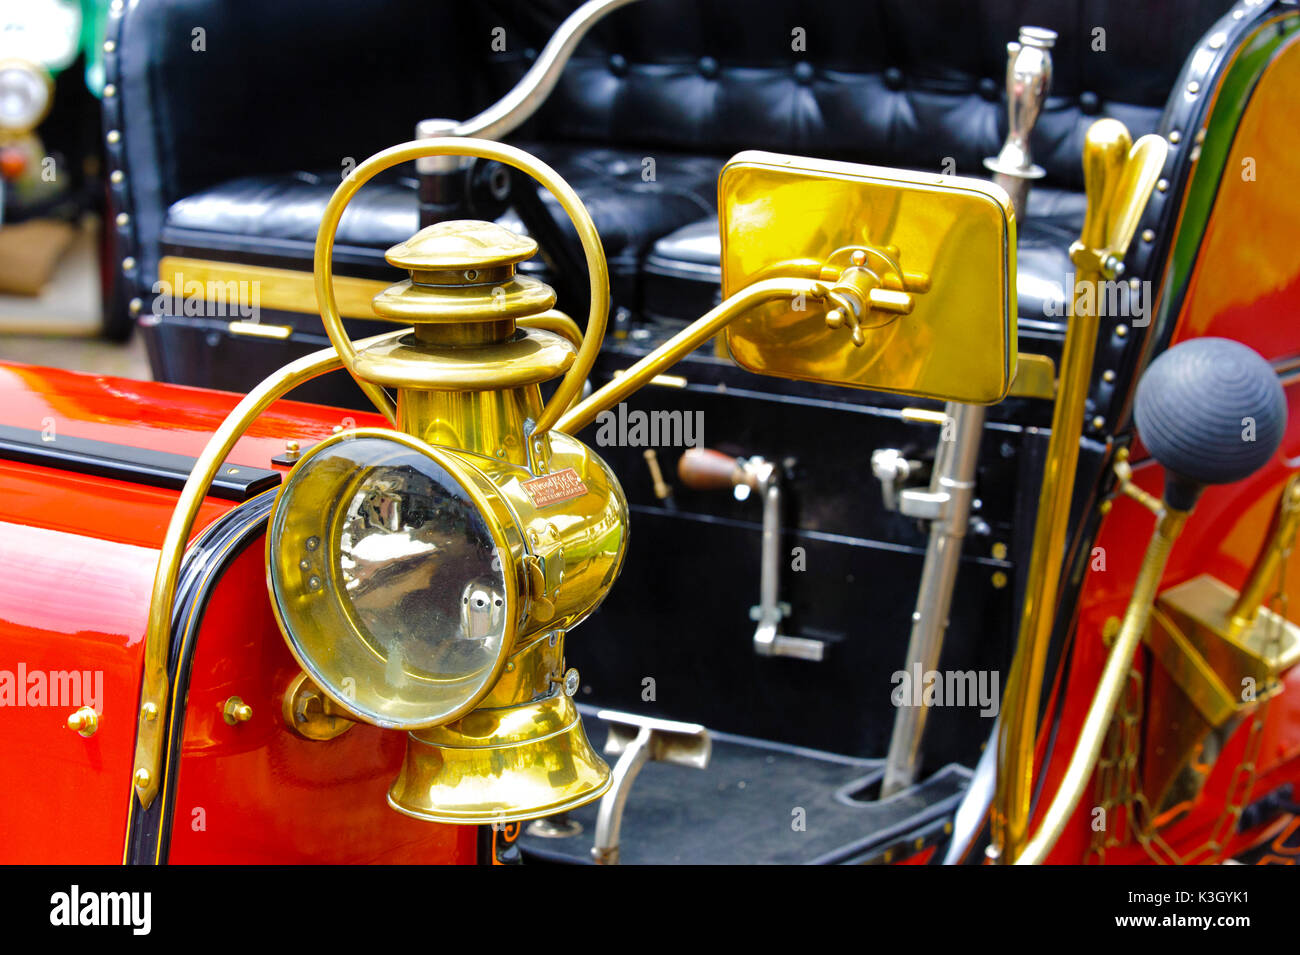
column 598, row 271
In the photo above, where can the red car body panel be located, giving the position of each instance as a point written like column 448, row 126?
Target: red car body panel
column 77, row 560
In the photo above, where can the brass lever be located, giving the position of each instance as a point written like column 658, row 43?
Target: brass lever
column 1264, row 572
column 1118, row 178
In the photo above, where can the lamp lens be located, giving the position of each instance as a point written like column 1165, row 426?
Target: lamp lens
column 388, row 581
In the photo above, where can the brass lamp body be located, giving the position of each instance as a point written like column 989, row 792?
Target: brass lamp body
column 469, row 378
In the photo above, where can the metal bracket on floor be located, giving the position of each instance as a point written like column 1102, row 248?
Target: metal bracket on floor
column 636, row 740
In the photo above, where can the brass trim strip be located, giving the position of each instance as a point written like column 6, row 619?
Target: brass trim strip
column 286, row 290
column 258, row 330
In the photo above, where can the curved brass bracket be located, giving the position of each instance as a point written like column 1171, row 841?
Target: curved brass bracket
column 571, row 384
column 145, row 777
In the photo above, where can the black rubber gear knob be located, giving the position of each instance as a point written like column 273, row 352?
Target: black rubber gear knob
column 1211, row 411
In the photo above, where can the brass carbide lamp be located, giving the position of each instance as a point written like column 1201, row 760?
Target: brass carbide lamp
column 425, row 578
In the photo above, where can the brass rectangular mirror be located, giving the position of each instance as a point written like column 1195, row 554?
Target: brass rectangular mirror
column 923, row 266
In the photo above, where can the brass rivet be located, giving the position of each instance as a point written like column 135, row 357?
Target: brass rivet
column 149, row 711
column 858, row 257
column 1110, row 629
column 122, row 219
column 142, row 778
column 109, row 46
column 1108, row 375
column 1098, row 423
column 999, row 580
column 1121, row 331
column 109, row 91
column 1162, row 185
column 116, row 176
column 999, row 551
column 1193, row 87
column 1105, row 506
column 236, row 711
column 136, row 306
column 1148, row 235
column 1217, row 41
column 128, row 264
column 1175, row 136
column 114, row 137
column 85, row 721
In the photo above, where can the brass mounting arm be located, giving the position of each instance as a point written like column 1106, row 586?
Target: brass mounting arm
column 685, row 342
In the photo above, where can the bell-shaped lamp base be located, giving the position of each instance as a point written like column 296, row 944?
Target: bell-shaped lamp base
column 501, row 764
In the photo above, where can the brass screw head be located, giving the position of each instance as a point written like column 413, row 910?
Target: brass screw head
column 236, row 711
column 85, row 721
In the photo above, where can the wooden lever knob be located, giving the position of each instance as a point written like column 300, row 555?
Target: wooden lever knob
column 707, row 470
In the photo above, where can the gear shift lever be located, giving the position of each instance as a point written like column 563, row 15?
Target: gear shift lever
column 1211, row 411
column 1029, row 77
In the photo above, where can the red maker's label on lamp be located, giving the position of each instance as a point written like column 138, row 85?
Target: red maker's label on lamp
column 554, row 488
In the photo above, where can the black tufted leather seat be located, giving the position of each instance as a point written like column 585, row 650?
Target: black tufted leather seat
column 668, row 87
column 272, row 219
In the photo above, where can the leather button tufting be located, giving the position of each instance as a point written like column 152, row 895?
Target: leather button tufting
column 618, row 64
column 894, row 78
column 708, row 67
column 804, row 73
column 1090, row 103
column 989, row 89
